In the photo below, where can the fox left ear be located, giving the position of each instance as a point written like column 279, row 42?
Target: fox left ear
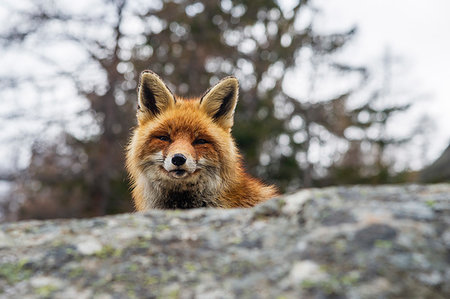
column 154, row 96
column 220, row 101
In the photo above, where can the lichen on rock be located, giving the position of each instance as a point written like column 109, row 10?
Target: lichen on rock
column 341, row 242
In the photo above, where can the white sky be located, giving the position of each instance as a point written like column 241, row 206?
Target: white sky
column 419, row 33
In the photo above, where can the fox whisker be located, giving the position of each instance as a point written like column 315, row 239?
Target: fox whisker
column 147, row 164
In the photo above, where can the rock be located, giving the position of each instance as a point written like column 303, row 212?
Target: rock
column 341, row 242
column 438, row 171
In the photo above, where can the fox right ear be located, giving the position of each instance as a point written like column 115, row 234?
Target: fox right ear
column 153, row 96
column 220, row 101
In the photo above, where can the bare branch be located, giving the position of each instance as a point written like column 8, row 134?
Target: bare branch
column 7, row 177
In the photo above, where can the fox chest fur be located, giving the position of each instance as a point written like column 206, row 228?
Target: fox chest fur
column 182, row 155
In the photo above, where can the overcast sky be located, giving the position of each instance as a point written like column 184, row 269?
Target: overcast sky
column 419, row 33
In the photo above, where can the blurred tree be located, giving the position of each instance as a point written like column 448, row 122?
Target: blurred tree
column 191, row 44
column 366, row 160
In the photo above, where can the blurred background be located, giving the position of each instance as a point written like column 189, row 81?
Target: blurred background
column 333, row 92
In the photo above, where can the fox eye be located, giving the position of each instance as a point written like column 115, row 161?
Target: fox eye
column 200, row 141
column 163, row 138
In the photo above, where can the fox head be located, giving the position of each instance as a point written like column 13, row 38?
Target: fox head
column 182, row 150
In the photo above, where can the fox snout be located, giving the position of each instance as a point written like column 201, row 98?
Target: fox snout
column 179, row 165
column 179, row 161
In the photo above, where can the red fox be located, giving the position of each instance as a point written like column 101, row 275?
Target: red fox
column 182, row 155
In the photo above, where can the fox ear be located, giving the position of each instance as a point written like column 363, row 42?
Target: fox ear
column 154, row 96
column 220, row 101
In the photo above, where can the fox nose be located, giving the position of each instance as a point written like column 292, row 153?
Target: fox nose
column 178, row 159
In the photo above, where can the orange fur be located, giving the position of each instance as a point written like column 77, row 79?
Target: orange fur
column 199, row 129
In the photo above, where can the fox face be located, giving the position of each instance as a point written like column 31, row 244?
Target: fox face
column 181, row 154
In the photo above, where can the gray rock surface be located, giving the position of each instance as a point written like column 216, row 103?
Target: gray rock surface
column 344, row 242
column 439, row 170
